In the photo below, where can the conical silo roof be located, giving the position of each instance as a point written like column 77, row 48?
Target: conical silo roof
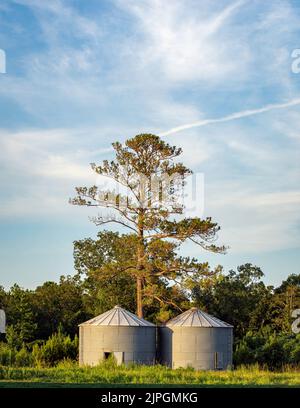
column 117, row 317
column 196, row 318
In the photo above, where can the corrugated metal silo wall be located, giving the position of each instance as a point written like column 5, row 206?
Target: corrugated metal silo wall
column 138, row 344
column 200, row 347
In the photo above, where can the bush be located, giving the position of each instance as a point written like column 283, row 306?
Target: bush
column 37, row 360
column 273, row 353
column 40, row 354
column 7, row 354
column 12, row 338
column 268, row 349
column 57, row 348
column 23, row 358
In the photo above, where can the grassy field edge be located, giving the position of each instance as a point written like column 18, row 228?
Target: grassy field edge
column 111, row 375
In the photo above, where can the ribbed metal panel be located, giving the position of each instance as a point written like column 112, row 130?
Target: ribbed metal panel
column 196, row 318
column 118, row 317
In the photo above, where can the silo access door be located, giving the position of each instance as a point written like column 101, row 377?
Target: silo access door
column 219, row 364
column 118, row 356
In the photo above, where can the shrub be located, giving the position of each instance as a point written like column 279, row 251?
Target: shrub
column 58, row 347
column 273, row 354
column 23, row 358
column 269, row 349
column 7, row 355
column 37, row 356
column 40, row 354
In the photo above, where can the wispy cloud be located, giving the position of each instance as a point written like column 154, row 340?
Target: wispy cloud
column 233, row 116
column 39, row 169
column 220, row 19
column 169, row 50
column 180, row 43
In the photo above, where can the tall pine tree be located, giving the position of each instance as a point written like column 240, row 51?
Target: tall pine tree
column 151, row 209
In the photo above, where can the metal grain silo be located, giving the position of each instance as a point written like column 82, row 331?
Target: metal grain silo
column 117, row 333
column 2, row 321
column 196, row 339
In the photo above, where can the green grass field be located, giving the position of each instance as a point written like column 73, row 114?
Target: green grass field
column 69, row 374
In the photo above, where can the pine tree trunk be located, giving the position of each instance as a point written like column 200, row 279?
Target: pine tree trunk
column 139, row 302
column 140, row 267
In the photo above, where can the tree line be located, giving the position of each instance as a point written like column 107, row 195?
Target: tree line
column 260, row 313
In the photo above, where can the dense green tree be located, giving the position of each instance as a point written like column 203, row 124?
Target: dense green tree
column 102, row 263
column 21, row 327
column 276, row 309
column 267, row 348
column 3, row 298
column 292, row 280
column 233, row 297
column 243, row 299
column 58, row 305
column 147, row 167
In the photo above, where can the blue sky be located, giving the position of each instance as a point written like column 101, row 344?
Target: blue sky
column 82, row 74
